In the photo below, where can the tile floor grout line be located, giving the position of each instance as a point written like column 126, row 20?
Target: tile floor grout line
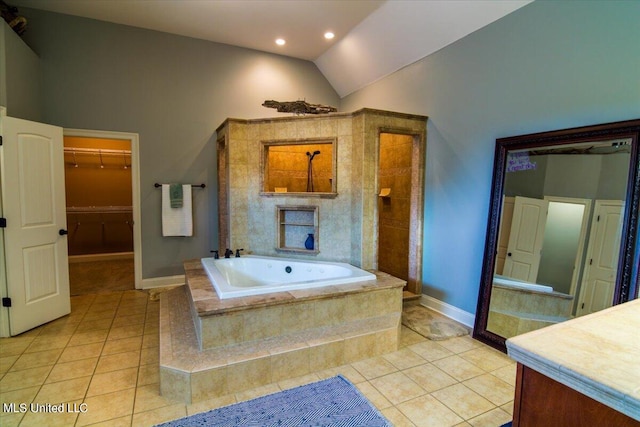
column 135, row 393
column 104, row 343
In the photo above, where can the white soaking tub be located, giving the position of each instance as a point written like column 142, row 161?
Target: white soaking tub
column 256, row 275
column 509, row 282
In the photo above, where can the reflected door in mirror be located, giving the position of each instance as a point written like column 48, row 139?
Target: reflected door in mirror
column 600, row 273
column 525, row 239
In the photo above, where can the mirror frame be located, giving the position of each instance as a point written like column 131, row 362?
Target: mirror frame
column 628, row 265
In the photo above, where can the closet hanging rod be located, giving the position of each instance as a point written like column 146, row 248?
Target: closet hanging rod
column 193, row 185
column 99, row 209
column 103, row 151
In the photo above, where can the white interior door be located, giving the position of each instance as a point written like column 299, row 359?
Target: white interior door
column 525, row 240
column 506, row 217
column 33, row 193
column 603, row 251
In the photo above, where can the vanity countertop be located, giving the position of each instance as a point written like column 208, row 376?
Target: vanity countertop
column 597, row 355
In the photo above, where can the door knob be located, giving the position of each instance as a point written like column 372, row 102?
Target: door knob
column 62, row 232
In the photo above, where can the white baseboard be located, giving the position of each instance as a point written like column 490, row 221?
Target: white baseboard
column 461, row 316
column 159, row 282
column 100, row 257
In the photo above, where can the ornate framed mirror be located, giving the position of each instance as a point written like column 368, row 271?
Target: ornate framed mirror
column 562, row 233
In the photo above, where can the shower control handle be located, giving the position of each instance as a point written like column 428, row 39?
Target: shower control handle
column 62, row 232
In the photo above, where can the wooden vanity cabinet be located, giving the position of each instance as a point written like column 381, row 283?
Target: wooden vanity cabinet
column 541, row 401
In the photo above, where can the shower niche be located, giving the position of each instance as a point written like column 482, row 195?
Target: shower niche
column 297, row 229
column 299, row 167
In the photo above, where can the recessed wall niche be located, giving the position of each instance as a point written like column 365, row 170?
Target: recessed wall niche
column 299, row 167
column 295, row 225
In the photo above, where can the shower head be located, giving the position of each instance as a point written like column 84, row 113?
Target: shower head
column 316, row 152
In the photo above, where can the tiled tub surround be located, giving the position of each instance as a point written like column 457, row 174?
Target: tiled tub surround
column 211, row 347
column 514, row 311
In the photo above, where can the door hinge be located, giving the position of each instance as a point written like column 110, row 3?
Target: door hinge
column 591, row 261
column 0, row 139
column 6, row 302
column 3, row 222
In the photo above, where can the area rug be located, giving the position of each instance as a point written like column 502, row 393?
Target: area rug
column 430, row 324
column 331, row 402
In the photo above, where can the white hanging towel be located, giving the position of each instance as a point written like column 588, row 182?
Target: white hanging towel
column 177, row 221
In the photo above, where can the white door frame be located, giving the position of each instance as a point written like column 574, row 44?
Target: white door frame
column 133, row 138
column 4, row 314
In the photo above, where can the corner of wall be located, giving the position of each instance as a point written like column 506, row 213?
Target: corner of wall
column 3, row 67
column 452, row 312
column 159, row 282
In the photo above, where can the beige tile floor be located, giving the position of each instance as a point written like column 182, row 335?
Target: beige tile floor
column 112, row 275
column 101, row 361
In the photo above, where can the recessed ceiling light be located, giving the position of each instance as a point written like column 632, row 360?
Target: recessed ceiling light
column 280, row 42
column 329, row 35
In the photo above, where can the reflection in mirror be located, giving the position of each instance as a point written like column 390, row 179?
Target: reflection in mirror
column 560, row 217
column 305, row 166
column 548, row 194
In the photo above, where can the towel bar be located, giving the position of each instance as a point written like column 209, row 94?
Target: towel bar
column 193, row 185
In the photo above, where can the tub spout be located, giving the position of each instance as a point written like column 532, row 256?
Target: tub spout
column 228, row 253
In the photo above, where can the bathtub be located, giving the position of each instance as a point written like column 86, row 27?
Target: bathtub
column 515, row 283
column 256, row 275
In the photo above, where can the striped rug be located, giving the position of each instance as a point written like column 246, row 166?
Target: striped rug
column 331, row 402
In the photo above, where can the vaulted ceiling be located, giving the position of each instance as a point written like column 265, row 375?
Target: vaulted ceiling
column 373, row 38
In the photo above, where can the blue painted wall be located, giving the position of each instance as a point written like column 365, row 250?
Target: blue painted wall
column 549, row 65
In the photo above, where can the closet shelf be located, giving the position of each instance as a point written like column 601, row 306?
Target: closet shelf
column 103, row 151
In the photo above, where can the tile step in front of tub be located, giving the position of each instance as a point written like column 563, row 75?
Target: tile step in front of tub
column 533, row 316
column 510, row 323
column 190, row 375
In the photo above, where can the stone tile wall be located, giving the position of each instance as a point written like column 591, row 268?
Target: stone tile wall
column 348, row 224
